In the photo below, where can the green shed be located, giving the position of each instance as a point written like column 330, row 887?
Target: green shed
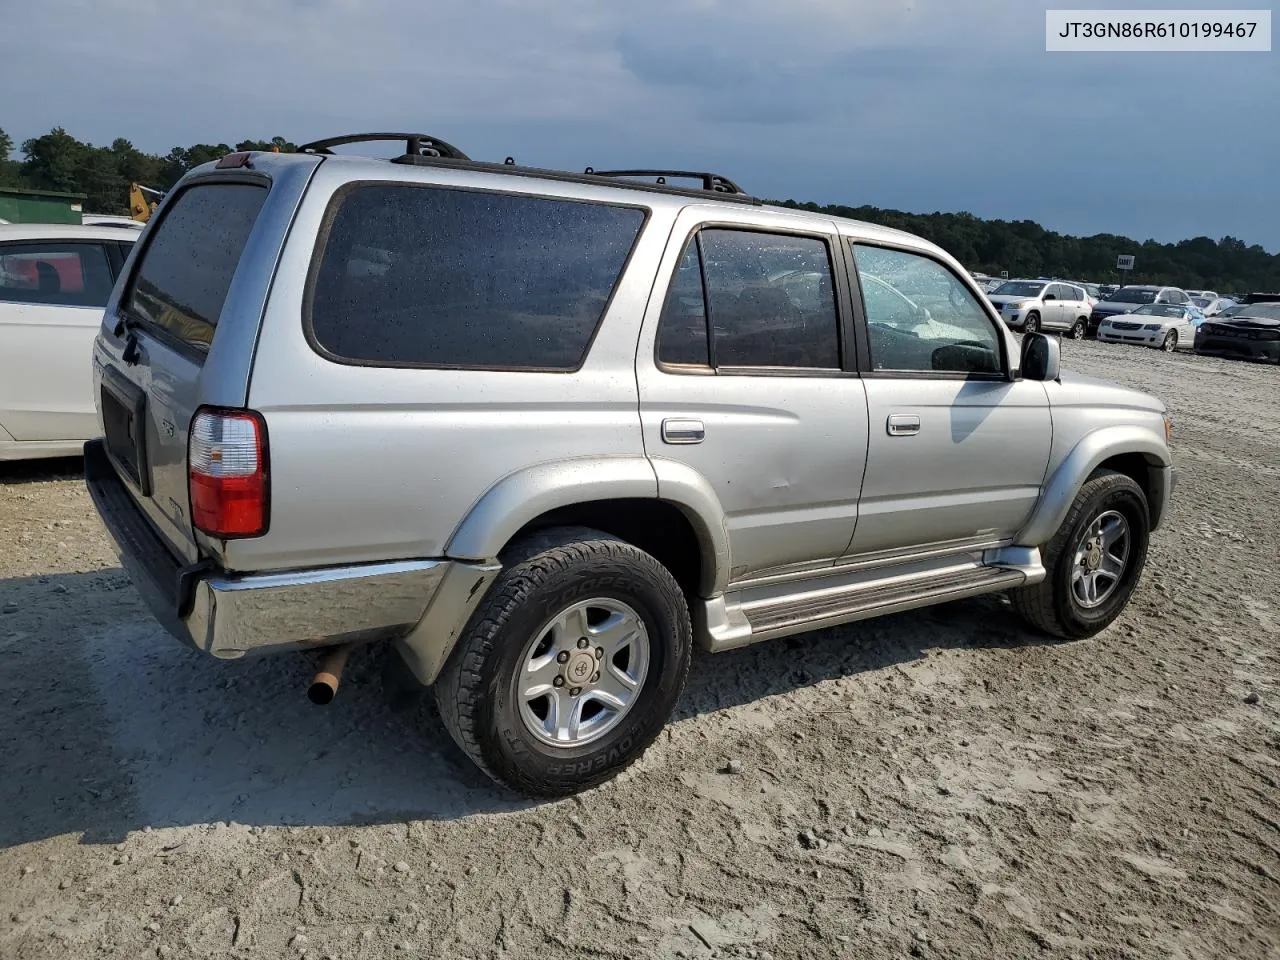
column 40, row 206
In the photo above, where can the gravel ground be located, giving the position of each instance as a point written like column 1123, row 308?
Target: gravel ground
column 936, row 784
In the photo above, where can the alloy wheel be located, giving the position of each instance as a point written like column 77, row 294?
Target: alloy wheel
column 582, row 672
column 1101, row 557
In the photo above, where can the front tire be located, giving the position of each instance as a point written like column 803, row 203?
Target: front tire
column 1093, row 562
column 1170, row 344
column 571, row 666
column 1032, row 323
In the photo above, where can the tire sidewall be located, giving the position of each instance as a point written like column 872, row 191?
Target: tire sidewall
column 1125, row 497
column 514, row 749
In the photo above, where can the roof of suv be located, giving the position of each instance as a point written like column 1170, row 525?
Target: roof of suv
column 442, row 157
column 628, row 190
column 64, row 231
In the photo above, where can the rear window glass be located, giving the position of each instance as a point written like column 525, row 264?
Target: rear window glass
column 429, row 276
column 187, row 266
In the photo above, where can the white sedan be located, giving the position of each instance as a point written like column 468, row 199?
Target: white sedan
column 1169, row 326
column 54, row 283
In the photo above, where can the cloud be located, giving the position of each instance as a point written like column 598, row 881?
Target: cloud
column 919, row 104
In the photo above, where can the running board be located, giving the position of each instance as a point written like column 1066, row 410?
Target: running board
column 736, row 620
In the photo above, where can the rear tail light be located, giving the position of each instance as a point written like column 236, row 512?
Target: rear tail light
column 227, row 473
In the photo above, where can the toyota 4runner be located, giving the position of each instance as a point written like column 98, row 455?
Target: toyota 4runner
column 545, row 431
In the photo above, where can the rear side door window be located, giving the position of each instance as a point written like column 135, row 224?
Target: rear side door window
column 921, row 318
column 66, row 274
column 752, row 299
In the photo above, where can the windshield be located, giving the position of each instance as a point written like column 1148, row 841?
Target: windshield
column 1159, row 310
column 1132, row 295
column 1270, row 310
column 1016, row 288
column 1201, row 301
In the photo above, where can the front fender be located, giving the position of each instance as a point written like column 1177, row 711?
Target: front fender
column 1085, row 457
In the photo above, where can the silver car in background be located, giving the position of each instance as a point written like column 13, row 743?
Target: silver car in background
column 1031, row 305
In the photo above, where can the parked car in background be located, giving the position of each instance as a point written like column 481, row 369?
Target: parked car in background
column 1031, row 305
column 1168, row 326
column 1211, row 308
column 54, row 282
column 1106, row 289
column 1248, row 331
column 1130, row 298
column 511, row 454
column 1091, row 290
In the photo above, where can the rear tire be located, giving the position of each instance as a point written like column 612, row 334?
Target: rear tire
column 1109, row 505
column 532, row 622
column 1077, row 329
column 1032, row 323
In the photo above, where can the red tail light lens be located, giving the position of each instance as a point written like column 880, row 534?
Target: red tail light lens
column 227, row 473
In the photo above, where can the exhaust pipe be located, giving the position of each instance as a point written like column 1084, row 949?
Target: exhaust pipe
column 324, row 685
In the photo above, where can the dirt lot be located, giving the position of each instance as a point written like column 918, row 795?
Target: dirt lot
column 939, row 784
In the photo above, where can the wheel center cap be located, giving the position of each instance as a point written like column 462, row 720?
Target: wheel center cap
column 1093, row 558
column 580, row 668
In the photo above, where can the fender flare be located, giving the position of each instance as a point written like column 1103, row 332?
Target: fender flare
column 1086, row 456
column 523, row 496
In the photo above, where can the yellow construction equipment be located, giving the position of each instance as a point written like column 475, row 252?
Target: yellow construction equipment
column 141, row 208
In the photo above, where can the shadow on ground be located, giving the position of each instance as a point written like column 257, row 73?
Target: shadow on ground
column 112, row 726
column 31, row 471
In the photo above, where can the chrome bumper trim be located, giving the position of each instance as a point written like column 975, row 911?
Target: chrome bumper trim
column 235, row 615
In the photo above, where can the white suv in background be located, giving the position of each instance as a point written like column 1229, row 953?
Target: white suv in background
column 54, row 283
column 1031, row 305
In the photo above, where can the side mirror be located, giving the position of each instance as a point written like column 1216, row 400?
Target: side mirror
column 1041, row 357
column 1049, row 296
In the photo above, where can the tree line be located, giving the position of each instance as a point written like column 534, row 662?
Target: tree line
column 58, row 161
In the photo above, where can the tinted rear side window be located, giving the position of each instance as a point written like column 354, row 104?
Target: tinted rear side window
column 428, row 276
column 182, row 280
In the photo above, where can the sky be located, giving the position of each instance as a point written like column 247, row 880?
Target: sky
column 917, row 105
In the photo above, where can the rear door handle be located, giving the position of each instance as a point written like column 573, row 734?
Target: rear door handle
column 683, row 431
column 903, row 425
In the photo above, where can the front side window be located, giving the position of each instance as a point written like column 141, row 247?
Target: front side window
column 55, row 274
column 769, row 297
column 920, row 317
column 418, row 275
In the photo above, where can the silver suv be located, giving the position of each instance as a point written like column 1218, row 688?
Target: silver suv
column 1031, row 305
column 546, row 431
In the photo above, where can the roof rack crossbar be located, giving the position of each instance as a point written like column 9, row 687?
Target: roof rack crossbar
column 712, row 182
column 416, row 144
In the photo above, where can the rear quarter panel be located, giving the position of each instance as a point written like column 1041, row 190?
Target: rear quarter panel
column 375, row 463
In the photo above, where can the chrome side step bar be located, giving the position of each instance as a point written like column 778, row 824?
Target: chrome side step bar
column 741, row 618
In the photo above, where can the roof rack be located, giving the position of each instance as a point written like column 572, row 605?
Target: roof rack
column 415, row 145
column 713, row 182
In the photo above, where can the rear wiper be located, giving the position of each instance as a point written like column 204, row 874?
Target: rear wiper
column 125, row 324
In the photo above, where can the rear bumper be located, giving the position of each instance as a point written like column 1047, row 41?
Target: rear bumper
column 229, row 615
